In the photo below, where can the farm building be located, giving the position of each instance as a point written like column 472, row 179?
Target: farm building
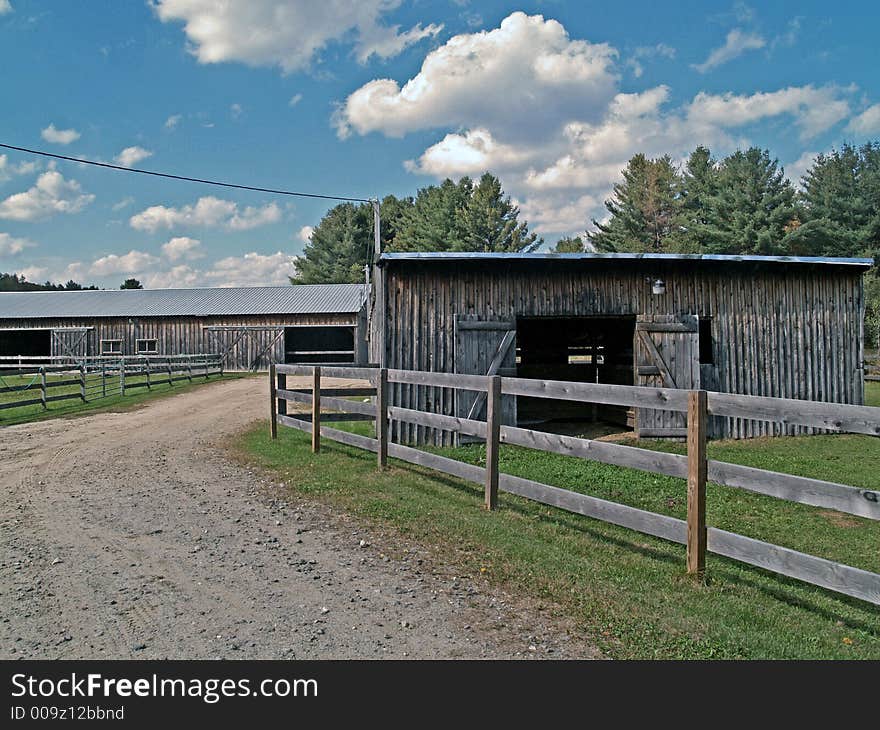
column 772, row 326
column 249, row 327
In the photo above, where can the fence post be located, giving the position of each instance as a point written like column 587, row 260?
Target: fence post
column 493, row 437
column 273, row 415
column 696, row 490
column 170, row 379
column 103, row 380
column 82, row 382
column 147, row 365
column 43, row 386
column 316, row 410
column 382, row 416
column 122, row 376
column 189, row 370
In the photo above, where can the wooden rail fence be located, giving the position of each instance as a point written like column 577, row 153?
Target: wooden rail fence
column 695, row 467
column 99, row 377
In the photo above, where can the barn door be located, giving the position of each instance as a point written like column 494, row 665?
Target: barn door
column 484, row 348
column 667, row 355
column 71, row 342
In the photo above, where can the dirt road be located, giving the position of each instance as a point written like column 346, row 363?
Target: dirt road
column 130, row 535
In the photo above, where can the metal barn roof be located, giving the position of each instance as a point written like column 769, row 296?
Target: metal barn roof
column 477, row 256
column 299, row 299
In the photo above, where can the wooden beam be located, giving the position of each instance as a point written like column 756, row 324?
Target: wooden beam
column 382, row 417
column 651, row 347
column 442, row 380
column 493, row 435
column 696, row 483
column 273, row 401
column 667, row 399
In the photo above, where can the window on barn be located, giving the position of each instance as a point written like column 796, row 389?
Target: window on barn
column 147, row 347
column 707, row 356
column 111, row 347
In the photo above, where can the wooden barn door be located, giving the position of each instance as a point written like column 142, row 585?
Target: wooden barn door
column 667, row 355
column 484, row 348
column 71, row 342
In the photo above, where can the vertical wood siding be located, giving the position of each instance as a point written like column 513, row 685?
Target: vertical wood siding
column 790, row 331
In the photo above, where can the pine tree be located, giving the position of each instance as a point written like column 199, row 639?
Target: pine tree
column 645, row 209
column 339, row 248
column 488, row 221
column 570, row 244
column 699, row 186
column 432, row 222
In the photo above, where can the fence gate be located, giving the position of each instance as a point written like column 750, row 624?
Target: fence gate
column 667, row 355
column 484, row 348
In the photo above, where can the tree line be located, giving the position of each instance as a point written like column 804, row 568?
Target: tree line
column 18, row 282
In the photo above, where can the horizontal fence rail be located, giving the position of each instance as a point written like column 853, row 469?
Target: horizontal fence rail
column 93, row 378
column 695, row 467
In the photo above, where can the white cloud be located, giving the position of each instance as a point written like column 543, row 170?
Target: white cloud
column 236, row 110
column 183, row 247
column 868, row 122
column 736, row 43
column 124, row 203
column 59, row 136
column 130, row 156
column 7, row 170
column 295, row 99
column 287, row 33
column 173, row 121
column 34, row 273
column 208, row 211
column 794, row 171
column 10, row 246
column 645, row 53
column 305, row 233
column 51, row 194
column 519, row 77
column 5, row 7
column 134, row 262
column 469, row 153
column 252, row 269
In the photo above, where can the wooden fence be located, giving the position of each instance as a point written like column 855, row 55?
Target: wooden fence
column 99, row 377
column 695, row 467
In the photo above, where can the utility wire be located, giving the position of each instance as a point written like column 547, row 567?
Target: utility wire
column 183, row 177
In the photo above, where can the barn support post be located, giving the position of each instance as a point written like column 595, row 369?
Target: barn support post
column 493, row 438
column 82, row 382
column 316, row 410
column 382, row 416
column 696, row 484
column 43, row 387
column 273, row 414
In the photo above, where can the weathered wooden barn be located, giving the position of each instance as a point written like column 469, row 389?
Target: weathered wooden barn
column 772, row 326
column 251, row 327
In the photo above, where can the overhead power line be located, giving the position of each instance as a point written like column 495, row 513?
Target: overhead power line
column 185, row 178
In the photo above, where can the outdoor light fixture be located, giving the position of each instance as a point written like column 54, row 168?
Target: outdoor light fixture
column 658, row 286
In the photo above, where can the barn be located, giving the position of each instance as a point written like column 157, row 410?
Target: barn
column 773, row 326
column 250, row 327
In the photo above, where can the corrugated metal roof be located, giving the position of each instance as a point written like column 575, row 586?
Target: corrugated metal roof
column 471, row 256
column 299, row 299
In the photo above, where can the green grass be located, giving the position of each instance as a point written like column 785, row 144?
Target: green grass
column 96, row 402
column 626, row 590
column 872, row 393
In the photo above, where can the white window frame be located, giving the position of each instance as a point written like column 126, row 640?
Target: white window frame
column 105, row 351
column 153, row 351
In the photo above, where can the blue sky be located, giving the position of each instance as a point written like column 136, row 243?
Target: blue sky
column 371, row 97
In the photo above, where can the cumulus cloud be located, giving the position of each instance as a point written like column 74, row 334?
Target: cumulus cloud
column 252, row 269
column 50, row 195
column 866, row 123
column 59, row 136
column 8, row 170
column 172, row 121
column 130, row 156
column 183, row 247
column 737, row 42
column 643, row 54
column 794, row 171
column 5, row 7
column 10, row 246
column 134, row 262
column 208, row 211
column 545, row 112
column 520, row 77
column 289, row 34
column 305, row 233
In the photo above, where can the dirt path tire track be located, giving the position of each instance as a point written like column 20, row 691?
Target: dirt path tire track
column 130, row 535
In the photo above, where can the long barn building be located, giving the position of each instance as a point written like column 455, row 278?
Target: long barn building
column 771, row 326
column 250, row 327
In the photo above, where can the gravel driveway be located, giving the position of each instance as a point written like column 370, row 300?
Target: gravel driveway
column 131, row 535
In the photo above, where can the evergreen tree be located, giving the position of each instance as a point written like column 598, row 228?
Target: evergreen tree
column 570, row 244
column 488, row 221
column 645, row 209
column 339, row 248
column 432, row 223
column 128, row 284
column 699, row 187
column 753, row 208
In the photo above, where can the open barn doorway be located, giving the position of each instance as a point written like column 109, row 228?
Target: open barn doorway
column 316, row 344
column 26, row 343
column 582, row 349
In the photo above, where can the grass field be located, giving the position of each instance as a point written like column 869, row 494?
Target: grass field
column 96, row 401
column 626, row 590
column 872, row 393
